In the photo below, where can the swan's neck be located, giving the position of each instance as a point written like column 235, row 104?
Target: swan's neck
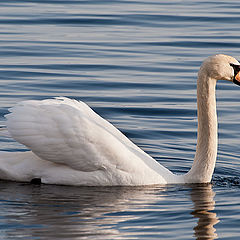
column 206, row 151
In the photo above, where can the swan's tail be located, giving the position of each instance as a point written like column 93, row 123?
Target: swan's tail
column 6, row 159
column 4, row 132
column 16, row 166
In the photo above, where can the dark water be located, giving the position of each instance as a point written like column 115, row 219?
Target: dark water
column 135, row 63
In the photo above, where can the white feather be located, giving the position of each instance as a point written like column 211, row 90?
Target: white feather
column 65, row 131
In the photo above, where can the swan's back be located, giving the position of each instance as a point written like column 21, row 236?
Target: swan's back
column 68, row 132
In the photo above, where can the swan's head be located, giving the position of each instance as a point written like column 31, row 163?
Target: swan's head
column 221, row 67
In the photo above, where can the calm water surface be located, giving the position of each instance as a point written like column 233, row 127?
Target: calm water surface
column 135, row 63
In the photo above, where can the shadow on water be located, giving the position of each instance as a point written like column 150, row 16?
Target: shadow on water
column 58, row 212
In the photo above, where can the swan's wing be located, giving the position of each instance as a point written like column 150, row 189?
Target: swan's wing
column 68, row 132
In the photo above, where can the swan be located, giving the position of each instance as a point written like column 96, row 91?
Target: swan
column 72, row 145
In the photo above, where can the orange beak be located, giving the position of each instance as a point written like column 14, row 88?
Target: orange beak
column 237, row 77
column 236, row 68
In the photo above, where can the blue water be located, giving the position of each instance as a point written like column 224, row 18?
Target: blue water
column 135, row 63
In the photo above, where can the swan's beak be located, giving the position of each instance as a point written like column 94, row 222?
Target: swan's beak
column 236, row 78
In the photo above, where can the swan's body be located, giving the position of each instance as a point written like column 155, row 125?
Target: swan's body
column 72, row 145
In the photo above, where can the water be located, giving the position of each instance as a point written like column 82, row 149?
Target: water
column 135, row 63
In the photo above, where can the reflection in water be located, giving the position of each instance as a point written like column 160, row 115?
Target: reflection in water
column 58, row 212
column 202, row 196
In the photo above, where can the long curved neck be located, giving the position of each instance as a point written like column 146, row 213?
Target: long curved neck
column 206, row 151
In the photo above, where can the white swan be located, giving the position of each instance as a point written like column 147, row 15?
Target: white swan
column 72, row 145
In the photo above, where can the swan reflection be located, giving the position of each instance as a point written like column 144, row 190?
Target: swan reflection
column 203, row 199
column 58, row 212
